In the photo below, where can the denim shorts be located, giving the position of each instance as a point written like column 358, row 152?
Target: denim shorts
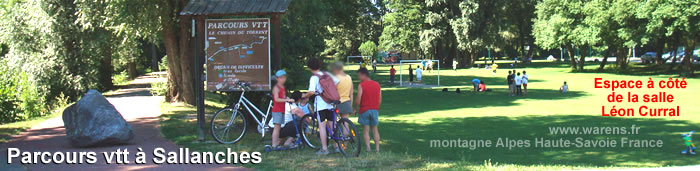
column 278, row 118
column 369, row 118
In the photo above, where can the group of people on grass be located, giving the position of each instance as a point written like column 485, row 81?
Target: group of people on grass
column 517, row 82
column 366, row 103
column 419, row 74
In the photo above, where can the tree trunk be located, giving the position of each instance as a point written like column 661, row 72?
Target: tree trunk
column 170, row 40
column 154, row 59
column 688, row 59
column 448, row 59
column 582, row 59
column 660, row 51
column 572, row 59
column 186, row 60
column 472, row 58
column 674, row 53
column 131, row 69
column 621, row 56
column 106, row 68
column 179, row 54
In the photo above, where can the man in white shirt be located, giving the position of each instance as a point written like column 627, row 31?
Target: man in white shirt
column 454, row 65
column 323, row 109
column 518, row 83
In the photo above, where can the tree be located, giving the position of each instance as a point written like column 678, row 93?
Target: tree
column 368, row 48
column 618, row 27
column 437, row 39
column 402, row 26
column 352, row 23
column 153, row 23
column 520, row 14
column 560, row 23
column 677, row 19
column 478, row 26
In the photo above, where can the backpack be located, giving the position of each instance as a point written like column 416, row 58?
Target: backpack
column 330, row 91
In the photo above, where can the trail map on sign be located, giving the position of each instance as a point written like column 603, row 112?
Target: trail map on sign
column 237, row 50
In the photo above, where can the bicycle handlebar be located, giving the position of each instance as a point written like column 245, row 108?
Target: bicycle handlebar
column 243, row 85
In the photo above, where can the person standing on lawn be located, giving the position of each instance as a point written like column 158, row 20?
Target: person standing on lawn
column 511, row 86
column 369, row 98
column 410, row 75
column 419, row 75
column 494, row 67
column 345, row 89
column 454, row 65
column 518, row 84
column 430, row 65
column 279, row 95
column 525, row 80
column 374, row 65
column 322, row 107
column 392, row 73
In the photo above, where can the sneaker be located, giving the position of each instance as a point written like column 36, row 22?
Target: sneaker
column 322, row 152
column 337, row 150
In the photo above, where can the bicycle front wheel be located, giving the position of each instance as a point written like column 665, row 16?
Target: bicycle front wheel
column 347, row 138
column 228, row 125
column 310, row 131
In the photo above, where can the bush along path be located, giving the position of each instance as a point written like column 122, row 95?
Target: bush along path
column 140, row 109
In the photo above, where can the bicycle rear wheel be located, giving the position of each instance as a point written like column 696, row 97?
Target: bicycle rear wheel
column 228, row 125
column 347, row 138
column 310, row 131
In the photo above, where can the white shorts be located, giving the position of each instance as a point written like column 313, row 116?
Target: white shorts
column 418, row 78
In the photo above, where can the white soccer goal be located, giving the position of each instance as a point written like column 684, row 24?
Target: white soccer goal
column 348, row 58
column 417, row 62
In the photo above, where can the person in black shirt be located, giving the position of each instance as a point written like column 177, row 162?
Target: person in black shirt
column 410, row 75
column 511, row 83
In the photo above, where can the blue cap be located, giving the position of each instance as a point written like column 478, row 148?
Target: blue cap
column 280, row 73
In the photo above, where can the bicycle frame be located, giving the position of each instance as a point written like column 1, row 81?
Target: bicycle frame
column 332, row 127
column 329, row 130
column 242, row 101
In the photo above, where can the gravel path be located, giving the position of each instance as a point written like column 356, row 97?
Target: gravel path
column 137, row 106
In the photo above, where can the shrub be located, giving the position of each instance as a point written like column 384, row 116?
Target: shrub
column 19, row 98
column 163, row 64
column 159, row 88
column 120, row 79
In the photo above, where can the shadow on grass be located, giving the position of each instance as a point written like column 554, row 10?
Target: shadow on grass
column 423, row 100
column 530, row 127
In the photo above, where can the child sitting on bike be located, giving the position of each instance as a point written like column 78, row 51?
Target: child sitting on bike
column 304, row 106
column 279, row 94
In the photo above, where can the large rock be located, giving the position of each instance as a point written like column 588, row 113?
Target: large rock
column 93, row 121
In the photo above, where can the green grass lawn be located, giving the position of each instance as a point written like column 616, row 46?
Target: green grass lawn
column 411, row 117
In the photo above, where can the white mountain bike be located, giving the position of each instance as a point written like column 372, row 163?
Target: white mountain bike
column 229, row 124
